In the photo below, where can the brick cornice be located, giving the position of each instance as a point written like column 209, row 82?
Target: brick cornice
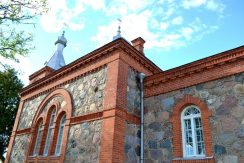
column 44, row 69
column 98, row 54
column 204, row 70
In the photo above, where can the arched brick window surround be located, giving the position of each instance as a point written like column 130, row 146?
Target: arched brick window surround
column 177, row 130
column 46, row 118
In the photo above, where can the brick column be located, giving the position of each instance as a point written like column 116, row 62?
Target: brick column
column 113, row 128
column 11, row 142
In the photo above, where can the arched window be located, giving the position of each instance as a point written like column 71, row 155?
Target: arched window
column 192, row 132
column 49, row 133
column 49, row 138
column 60, row 135
column 38, row 139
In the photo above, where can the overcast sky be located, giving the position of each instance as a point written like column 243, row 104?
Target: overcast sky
column 176, row 31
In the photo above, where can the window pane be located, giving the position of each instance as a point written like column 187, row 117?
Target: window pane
column 188, row 138
column 50, row 130
column 38, row 140
column 60, row 136
column 191, row 111
column 199, row 137
column 193, row 132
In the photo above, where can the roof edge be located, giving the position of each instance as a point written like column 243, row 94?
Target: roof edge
column 206, row 62
column 119, row 43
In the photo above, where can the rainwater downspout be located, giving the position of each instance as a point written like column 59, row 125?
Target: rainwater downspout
column 141, row 77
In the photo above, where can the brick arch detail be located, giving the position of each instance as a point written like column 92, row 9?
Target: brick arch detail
column 175, row 119
column 67, row 109
column 61, row 92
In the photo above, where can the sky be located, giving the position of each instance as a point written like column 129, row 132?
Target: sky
column 176, row 31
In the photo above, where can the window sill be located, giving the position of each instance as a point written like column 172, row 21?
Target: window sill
column 33, row 159
column 194, row 160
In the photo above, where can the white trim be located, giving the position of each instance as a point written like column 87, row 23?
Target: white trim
column 192, row 158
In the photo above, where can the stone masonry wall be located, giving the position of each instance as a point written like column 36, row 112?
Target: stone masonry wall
column 84, row 142
column 29, row 109
column 84, row 139
column 19, row 149
column 88, row 92
column 132, row 131
column 224, row 97
column 52, row 101
column 132, row 143
column 133, row 94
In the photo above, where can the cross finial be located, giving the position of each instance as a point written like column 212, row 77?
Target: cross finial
column 119, row 22
column 63, row 33
column 119, row 31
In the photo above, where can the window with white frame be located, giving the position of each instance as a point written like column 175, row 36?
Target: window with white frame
column 49, row 133
column 38, row 139
column 60, row 135
column 192, row 132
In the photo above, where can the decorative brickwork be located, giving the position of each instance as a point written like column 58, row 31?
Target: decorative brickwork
column 212, row 68
column 103, row 54
column 99, row 96
column 60, row 100
column 176, row 122
column 209, row 160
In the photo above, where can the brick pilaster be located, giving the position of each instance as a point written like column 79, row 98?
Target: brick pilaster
column 113, row 128
column 11, row 142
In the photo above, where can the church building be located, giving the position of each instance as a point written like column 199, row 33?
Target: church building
column 114, row 105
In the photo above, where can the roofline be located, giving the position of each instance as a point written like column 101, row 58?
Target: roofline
column 119, row 43
column 215, row 67
column 46, row 68
column 202, row 63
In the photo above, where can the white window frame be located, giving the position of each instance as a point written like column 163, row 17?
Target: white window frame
column 60, row 135
column 38, row 140
column 193, row 129
column 49, row 133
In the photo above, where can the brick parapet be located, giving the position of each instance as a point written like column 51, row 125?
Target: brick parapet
column 95, row 59
column 208, row 69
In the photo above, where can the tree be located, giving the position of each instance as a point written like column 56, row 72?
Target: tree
column 12, row 14
column 10, row 86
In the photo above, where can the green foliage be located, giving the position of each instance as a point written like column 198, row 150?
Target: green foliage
column 15, row 43
column 12, row 13
column 10, row 86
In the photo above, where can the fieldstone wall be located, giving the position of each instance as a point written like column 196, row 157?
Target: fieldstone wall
column 19, row 149
column 52, row 101
column 132, row 143
column 224, row 97
column 88, row 92
column 133, row 94
column 29, row 109
column 84, row 142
